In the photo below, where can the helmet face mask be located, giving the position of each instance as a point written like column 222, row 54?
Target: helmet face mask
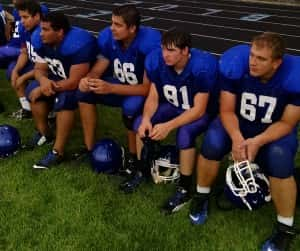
column 246, row 186
column 166, row 167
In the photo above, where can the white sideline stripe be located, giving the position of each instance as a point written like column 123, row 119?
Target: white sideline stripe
column 197, row 35
column 193, row 14
column 149, row 18
column 208, row 3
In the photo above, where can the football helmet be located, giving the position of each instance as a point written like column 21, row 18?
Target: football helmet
column 165, row 168
column 107, row 156
column 10, row 140
column 246, row 186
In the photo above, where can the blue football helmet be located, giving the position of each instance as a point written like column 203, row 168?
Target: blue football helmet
column 165, row 168
column 10, row 140
column 107, row 156
column 246, row 186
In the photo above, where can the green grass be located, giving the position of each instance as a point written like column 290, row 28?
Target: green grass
column 72, row 208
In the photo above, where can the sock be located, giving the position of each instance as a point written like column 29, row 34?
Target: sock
column 24, row 103
column 201, row 189
column 185, row 181
column 288, row 221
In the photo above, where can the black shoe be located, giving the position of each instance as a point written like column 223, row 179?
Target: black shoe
column 281, row 238
column 177, row 201
column 131, row 184
column 129, row 167
column 21, row 114
column 199, row 209
column 83, row 155
column 38, row 140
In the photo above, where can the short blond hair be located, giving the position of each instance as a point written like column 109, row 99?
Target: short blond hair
column 271, row 40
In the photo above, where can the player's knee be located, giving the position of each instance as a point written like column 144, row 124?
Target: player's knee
column 280, row 162
column 185, row 138
column 65, row 101
column 212, row 148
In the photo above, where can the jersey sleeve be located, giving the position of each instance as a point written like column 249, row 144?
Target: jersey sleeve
column 81, row 51
column 105, row 43
column 233, row 64
column 205, row 70
column 151, row 40
column 152, row 66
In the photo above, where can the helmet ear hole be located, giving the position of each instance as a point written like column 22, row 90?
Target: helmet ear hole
column 10, row 140
column 165, row 168
column 107, row 156
column 246, row 185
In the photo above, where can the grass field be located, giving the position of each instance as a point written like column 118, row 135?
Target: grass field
column 72, row 208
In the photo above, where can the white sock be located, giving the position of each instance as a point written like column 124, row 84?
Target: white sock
column 25, row 104
column 201, row 189
column 289, row 221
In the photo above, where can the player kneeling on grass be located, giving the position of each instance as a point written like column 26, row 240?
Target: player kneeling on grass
column 181, row 81
column 65, row 56
column 259, row 111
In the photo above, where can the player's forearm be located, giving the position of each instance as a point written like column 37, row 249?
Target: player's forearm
column 231, row 124
column 28, row 75
column 186, row 117
column 21, row 62
column 150, row 108
column 274, row 132
column 130, row 90
column 67, row 85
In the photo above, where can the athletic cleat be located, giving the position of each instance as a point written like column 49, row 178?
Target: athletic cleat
column 38, row 140
column 82, row 156
column 51, row 159
column 281, row 238
column 131, row 184
column 129, row 167
column 199, row 209
column 21, row 114
column 177, row 201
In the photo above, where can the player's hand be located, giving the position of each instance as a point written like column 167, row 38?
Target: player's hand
column 145, row 126
column 47, row 87
column 21, row 82
column 35, row 94
column 84, row 85
column 238, row 148
column 14, row 77
column 56, row 86
column 252, row 146
column 99, row 86
column 160, row 131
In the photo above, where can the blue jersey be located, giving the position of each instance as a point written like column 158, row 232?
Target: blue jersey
column 127, row 66
column 199, row 75
column 15, row 40
column 26, row 38
column 258, row 104
column 77, row 47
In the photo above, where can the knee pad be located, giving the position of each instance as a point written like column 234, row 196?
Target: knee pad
column 128, row 122
column 278, row 161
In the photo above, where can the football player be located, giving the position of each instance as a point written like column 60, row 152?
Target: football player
column 60, row 66
column 258, row 115
column 117, row 79
column 11, row 50
column 181, row 81
column 30, row 14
